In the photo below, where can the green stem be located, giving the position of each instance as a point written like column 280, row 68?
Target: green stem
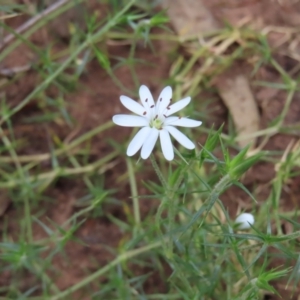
column 216, row 191
column 131, row 62
column 169, row 201
column 158, row 172
column 40, row 272
column 36, row 22
column 27, row 214
column 210, row 200
column 134, row 192
column 22, row 177
column 64, row 149
column 55, row 237
column 90, row 40
column 172, row 207
column 97, row 274
column 61, row 172
column 161, row 37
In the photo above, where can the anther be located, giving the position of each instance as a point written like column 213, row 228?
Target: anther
column 152, row 106
column 144, row 112
column 160, row 99
column 146, row 100
column 165, row 116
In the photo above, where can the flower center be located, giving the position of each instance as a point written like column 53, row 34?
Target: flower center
column 156, row 123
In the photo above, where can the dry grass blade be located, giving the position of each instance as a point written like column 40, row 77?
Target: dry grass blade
column 193, row 18
column 33, row 21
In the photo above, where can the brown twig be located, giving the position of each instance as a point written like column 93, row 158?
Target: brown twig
column 11, row 72
column 32, row 21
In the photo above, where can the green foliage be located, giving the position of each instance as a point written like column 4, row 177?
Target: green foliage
column 20, row 255
column 173, row 235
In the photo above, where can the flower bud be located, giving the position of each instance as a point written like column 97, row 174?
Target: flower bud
column 244, row 221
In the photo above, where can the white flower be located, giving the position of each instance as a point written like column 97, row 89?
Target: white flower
column 155, row 121
column 244, row 221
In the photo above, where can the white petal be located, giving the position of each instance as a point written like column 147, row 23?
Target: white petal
column 133, row 106
column 184, row 122
column 149, row 143
column 138, row 140
column 178, row 106
column 130, row 121
column 166, row 144
column 180, row 137
column 244, row 220
column 164, row 99
column 146, row 97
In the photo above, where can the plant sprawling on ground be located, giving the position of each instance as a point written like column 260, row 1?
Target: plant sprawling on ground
column 83, row 217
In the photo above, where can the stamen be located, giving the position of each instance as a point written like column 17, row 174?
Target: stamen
column 165, row 116
column 170, row 100
column 144, row 112
column 152, row 106
column 155, row 117
column 179, row 117
column 146, row 100
column 160, row 99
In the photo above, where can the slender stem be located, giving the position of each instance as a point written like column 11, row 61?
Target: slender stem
column 64, row 149
column 164, row 37
column 27, row 213
column 90, row 39
column 158, row 172
column 172, row 207
column 213, row 197
column 216, row 191
column 22, row 177
column 131, row 61
column 62, row 172
column 122, row 257
column 40, row 272
column 134, row 192
column 24, row 37
column 55, row 237
column 44, row 14
column 170, row 198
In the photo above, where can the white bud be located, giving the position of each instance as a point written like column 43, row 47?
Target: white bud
column 244, row 221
